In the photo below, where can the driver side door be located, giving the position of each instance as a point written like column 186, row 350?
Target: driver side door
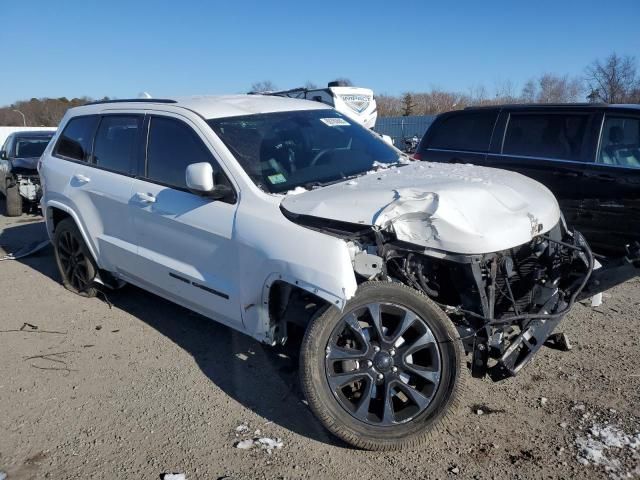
column 186, row 250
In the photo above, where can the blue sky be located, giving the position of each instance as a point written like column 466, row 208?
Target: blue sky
column 119, row 48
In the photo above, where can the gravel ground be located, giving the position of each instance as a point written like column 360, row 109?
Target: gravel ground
column 144, row 387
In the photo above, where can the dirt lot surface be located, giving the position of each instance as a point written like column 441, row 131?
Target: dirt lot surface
column 146, row 387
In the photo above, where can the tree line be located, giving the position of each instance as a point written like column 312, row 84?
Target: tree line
column 614, row 79
column 611, row 80
column 39, row 112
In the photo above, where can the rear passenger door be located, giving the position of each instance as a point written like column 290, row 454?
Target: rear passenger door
column 103, row 152
column 185, row 247
column 459, row 137
column 616, row 176
column 551, row 147
column 558, row 149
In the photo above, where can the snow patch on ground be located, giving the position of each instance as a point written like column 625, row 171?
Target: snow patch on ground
column 605, row 445
column 264, row 443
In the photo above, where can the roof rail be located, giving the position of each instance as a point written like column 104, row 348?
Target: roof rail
column 530, row 105
column 134, row 100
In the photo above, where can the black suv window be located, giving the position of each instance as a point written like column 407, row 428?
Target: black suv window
column 173, row 145
column 468, row 131
column 556, row 136
column 75, row 140
column 620, row 144
column 116, row 144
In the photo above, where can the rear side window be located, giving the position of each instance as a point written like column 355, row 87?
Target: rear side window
column 116, row 144
column 469, row 131
column 620, row 143
column 173, row 145
column 554, row 136
column 75, row 140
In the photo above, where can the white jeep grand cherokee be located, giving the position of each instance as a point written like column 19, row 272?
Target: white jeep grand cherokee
column 269, row 214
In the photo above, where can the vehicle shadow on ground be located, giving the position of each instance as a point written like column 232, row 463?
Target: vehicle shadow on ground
column 261, row 378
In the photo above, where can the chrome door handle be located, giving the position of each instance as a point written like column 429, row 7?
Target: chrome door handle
column 78, row 177
column 145, row 197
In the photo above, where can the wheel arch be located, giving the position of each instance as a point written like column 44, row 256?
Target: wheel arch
column 56, row 212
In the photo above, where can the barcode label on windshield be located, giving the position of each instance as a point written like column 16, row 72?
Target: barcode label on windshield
column 335, row 122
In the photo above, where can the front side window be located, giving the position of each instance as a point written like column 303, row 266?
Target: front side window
column 283, row 150
column 468, row 131
column 172, row 147
column 620, row 142
column 30, row 147
column 555, row 136
column 116, row 144
column 75, row 140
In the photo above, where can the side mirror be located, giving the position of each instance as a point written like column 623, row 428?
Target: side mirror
column 3, row 155
column 199, row 178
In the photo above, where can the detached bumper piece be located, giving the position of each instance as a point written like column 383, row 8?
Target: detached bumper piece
column 522, row 349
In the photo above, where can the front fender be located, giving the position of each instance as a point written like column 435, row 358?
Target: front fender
column 273, row 248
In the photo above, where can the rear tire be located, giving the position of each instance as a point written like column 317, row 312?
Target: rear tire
column 406, row 370
column 13, row 201
column 75, row 263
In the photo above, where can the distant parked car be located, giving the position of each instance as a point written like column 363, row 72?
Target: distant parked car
column 588, row 155
column 19, row 180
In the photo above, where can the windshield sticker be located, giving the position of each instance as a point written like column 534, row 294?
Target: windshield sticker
column 277, row 178
column 335, row 122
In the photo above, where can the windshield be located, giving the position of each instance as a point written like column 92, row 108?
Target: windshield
column 30, row 147
column 284, row 150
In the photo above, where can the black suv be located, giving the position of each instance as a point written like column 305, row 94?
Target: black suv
column 588, row 155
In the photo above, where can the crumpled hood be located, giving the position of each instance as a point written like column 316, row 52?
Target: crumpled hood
column 456, row 208
column 26, row 163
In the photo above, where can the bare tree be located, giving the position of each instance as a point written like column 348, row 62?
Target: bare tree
column 505, row 92
column 389, row 106
column 263, row 86
column 310, row 85
column 613, row 80
column 550, row 88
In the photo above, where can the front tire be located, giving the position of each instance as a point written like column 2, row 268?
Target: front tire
column 13, row 200
column 75, row 263
column 386, row 371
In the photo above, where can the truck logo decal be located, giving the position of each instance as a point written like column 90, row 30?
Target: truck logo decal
column 357, row 103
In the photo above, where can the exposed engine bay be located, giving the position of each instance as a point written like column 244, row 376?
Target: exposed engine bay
column 29, row 186
column 505, row 304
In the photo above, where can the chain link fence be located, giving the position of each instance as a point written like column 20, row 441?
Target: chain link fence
column 401, row 128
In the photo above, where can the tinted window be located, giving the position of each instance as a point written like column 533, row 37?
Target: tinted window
column 75, row 140
column 173, row 145
column 620, row 143
column 464, row 131
column 546, row 135
column 116, row 144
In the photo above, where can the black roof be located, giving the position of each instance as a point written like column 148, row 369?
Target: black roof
column 550, row 106
column 34, row 133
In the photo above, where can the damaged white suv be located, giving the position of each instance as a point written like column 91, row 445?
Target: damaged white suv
column 268, row 213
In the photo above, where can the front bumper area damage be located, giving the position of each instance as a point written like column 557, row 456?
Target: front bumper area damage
column 28, row 182
column 505, row 304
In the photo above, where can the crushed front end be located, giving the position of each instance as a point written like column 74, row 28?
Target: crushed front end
column 505, row 304
column 28, row 182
